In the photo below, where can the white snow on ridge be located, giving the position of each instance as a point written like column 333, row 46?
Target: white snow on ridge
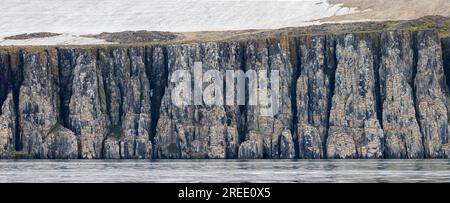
column 64, row 39
column 77, row 17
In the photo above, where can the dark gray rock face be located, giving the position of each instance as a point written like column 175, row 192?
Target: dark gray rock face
column 431, row 94
column 7, row 127
column 313, row 94
column 136, row 120
column 202, row 131
column 355, row 131
column 402, row 131
column 198, row 131
column 7, row 112
column 38, row 100
column 60, row 143
column 128, row 103
column 5, row 75
column 86, row 104
column 367, row 95
column 446, row 59
column 267, row 134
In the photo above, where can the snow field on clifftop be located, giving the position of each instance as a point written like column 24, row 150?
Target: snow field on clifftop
column 78, row 17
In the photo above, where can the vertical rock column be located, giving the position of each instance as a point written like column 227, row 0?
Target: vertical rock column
column 41, row 133
column 156, row 60
column 431, row 94
column 269, row 136
column 175, row 128
column 7, row 127
column 402, row 131
column 313, row 93
column 355, row 131
column 232, row 59
column 198, row 129
column 7, row 113
column 112, row 63
column 84, row 101
column 210, row 121
column 446, row 59
column 5, row 76
column 136, row 107
column 128, row 103
column 37, row 102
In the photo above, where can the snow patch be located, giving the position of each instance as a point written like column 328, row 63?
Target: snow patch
column 79, row 17
column 64, row 39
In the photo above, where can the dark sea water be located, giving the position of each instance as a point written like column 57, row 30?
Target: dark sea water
column 235, row 171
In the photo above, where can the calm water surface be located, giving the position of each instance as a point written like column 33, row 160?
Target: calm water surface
column 226, row 171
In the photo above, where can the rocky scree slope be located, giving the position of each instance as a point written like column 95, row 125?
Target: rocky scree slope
column 358, row 95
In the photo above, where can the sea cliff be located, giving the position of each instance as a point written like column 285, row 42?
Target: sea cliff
column 381, row 94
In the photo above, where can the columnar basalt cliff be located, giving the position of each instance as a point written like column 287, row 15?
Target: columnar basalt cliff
column 359, row 95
